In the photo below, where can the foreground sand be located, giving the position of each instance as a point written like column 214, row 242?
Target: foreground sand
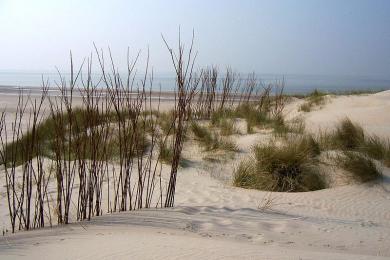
column 214, row 220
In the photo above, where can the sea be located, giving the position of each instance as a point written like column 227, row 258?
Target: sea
column 294, row 84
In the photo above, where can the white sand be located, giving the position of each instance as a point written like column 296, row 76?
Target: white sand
column 213, row 220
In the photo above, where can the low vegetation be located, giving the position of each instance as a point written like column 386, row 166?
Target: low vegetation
column 314, row 99
column 118, row 138
column 289, row 167
column 349, row 136
column 165, row 152
column 360, row 167
column 210, row 140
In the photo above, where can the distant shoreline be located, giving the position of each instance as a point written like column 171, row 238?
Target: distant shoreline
column 12, row 90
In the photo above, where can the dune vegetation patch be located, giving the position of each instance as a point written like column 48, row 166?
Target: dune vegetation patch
column 210, row 140
column 290, row 167
column 314, row 99
column 360, row 167
column 350, row 137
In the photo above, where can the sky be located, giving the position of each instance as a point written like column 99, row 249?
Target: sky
column 310, row 37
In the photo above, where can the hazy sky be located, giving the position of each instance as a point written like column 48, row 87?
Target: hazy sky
column 326, row 37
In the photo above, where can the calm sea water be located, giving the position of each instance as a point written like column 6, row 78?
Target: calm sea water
column 294, row 84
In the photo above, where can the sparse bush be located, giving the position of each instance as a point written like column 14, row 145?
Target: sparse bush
column 291, row 167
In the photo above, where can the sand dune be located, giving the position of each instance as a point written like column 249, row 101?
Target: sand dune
column 213, row 220
column 371, row 111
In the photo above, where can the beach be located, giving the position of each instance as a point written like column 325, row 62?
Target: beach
column 213, row 219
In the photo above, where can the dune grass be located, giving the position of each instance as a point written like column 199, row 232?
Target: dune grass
column 316, row 98
column 292, row 167
column 82, row 131
column 361, row 167
column 349, row 136
column 376, row 148
column 18, row 147
column 226, row 126
column 210, row 140
column 166, row 152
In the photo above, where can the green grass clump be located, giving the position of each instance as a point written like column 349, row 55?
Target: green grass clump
column 316, row 98
column 85, row 128
column 17, row 150
column 201, row 132
column 349, row 135
column 226, row 125
column 227, row 145
column 291, row 167
column 166, row 152
column 252, row 115
column 210, row 140
column 221, row 114
column 361, row 167
column 346, row 136
column 282, row 128
column 375, row 147
column 305, row 107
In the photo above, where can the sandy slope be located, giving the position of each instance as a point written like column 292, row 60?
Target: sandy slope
column 371, row 111
column 214, row 220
